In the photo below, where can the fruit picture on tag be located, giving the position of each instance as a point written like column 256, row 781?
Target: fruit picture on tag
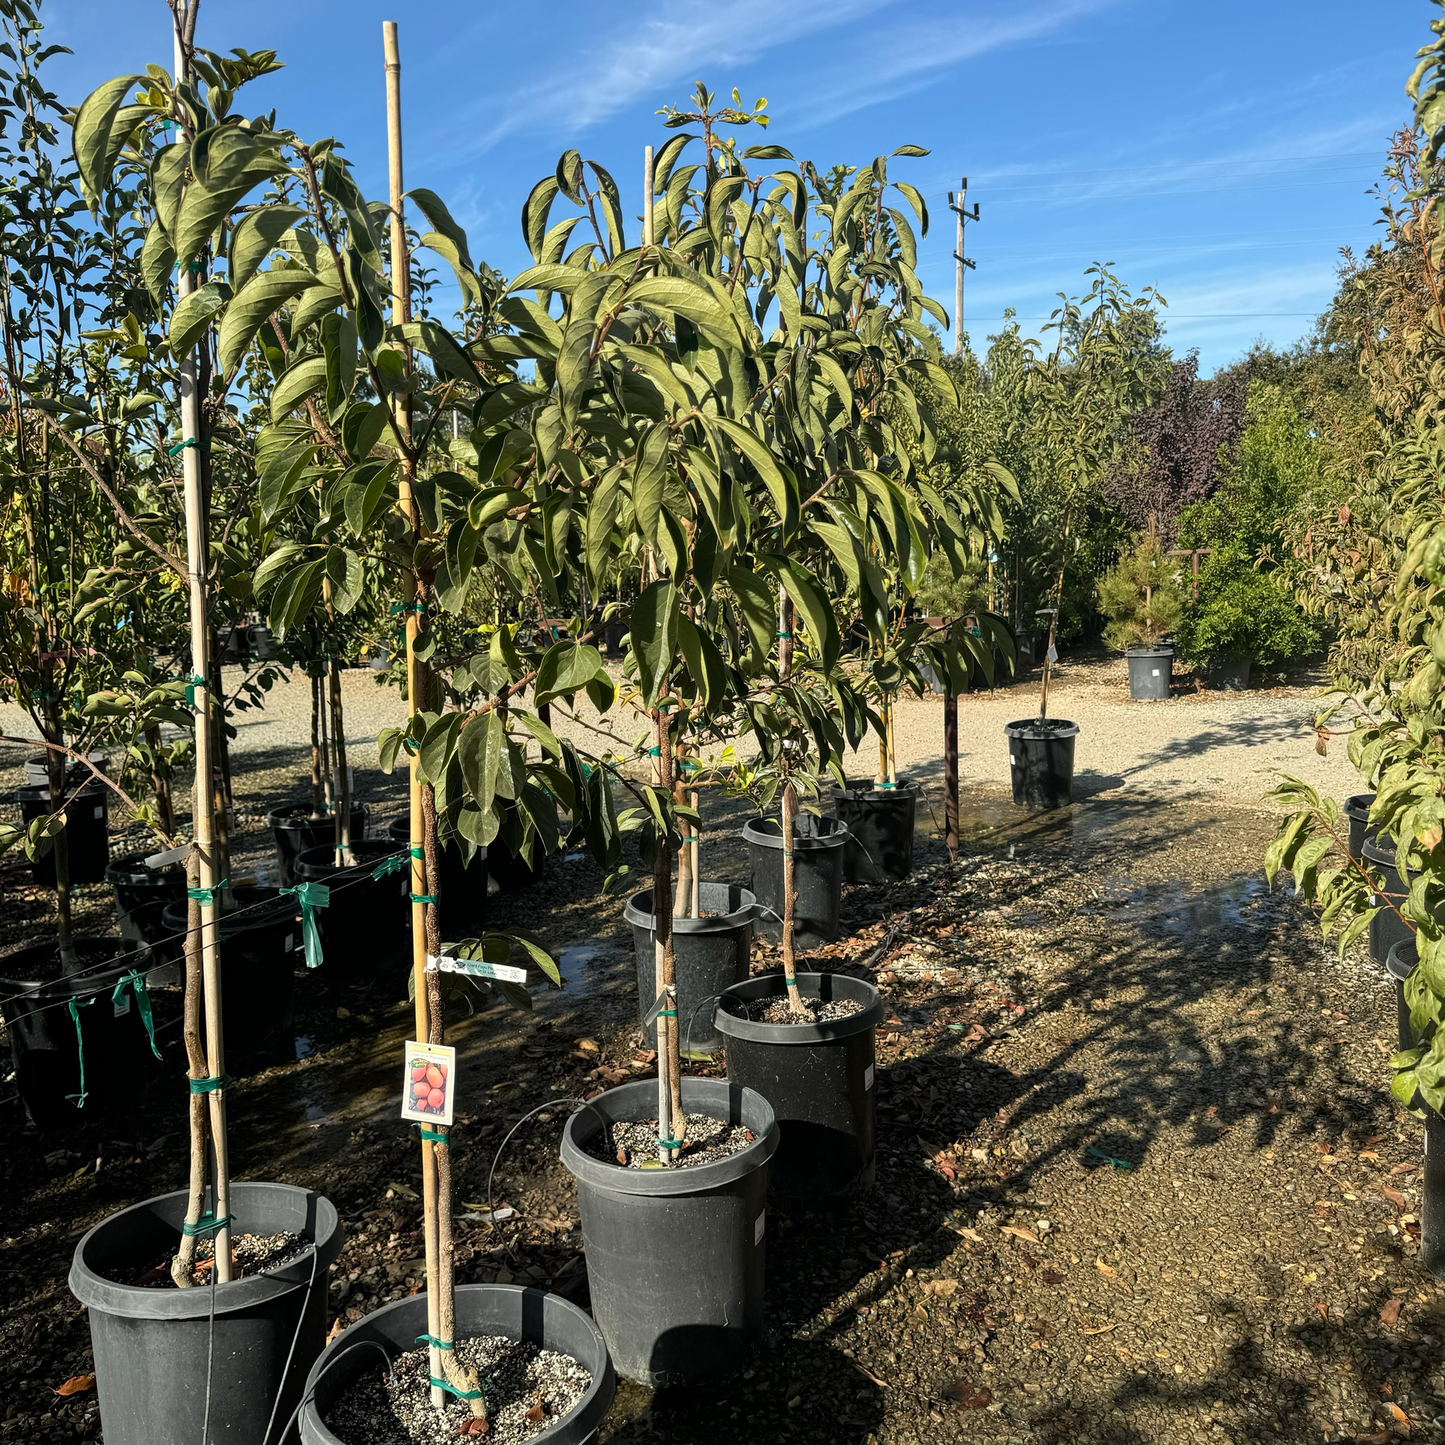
column 428, row 1083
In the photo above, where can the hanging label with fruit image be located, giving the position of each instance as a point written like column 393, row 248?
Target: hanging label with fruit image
column 429, row 1083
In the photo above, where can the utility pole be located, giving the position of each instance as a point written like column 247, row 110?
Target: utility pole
column 958, row 205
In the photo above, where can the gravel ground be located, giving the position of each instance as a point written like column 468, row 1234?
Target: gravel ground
column 1139, row 1177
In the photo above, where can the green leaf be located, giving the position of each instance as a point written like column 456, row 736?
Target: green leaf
column 362, row 428
column 783, row 490
column 367, row 489
column 704, row 662
column 344, row 571
column 257, row 234
column 304, row 379
column 481, row 750
column 157, row 261
column 193, row 315
column 566, row 668
column 338, row 346
column 96, row 144
column 438, row 746
column 261, row 297
column 649, row 480
column 674, row 295
column 438, row 343
column 168, row 183
column 601, row 520
column 654, row 637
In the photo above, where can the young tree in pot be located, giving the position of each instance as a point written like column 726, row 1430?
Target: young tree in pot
column 1141, row 597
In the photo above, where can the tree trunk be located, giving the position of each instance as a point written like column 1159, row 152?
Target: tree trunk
column 318, row 762
column 950, row 772
column 789, row 813
column 183, row 1265
column 161, row 784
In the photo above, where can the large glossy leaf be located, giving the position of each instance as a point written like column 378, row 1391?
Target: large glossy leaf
column 690, row 299
column 448, row 239
column 228, row 156
column 157, row 262
column 192, row 315
column 481, row 751
column 96, row 138
column 257, row 301
column 168, row 182
column 649, row 480
column 338, row 346
column 304, row 379
column 566, row 668
column 257, row 234
column 654, row 637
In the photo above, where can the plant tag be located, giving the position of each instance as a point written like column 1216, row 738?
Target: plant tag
column 171, row 855
column 429, row 1083
column 657, row 1006
column 1012, row 759
column 476, row 967
column 868, row 1077
column 290, row 943
column 1053, row 653
column 1156, row 672
column 122, row 1005
column 759, row 1227
column 100, row 812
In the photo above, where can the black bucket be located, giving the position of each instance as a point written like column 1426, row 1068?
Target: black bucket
column 156, row 1348
column 818, row 1078
column 880, row 821
column 141, row 896
column 258, row 966
column 296, row 829
column 818, row 845
column 367, row 923
column 675, row 1256
column 1041, row 762
column 510, row 870
column 712, row 954
column 463, row 896
column 508, row 1310
column 1149, row 672
column 1357, row 813
column 86, row 823
column 102, row 1040
column 1386, row 927
column 1401, row 964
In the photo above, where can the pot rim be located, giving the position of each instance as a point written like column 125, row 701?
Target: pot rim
column 641, row 1095
column 96, row 980
column 836, row 837
column 1395, row 959
column 866, row 790
column 638, row 912
column 1029, row 729
column 578, row 1424
column 770, row 985
column 140, row 1302
column 1155, row 650
column 293, row 815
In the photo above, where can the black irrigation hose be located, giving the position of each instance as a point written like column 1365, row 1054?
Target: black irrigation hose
column 307, row 1394
column 119, row 958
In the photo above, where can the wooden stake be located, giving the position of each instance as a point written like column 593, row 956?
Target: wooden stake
column 415, row 677
column 203, row 793
column 950, row 771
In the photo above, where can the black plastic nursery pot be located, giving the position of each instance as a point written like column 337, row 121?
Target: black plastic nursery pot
column 818, row 1077
column 463, row 899
column 74, row 1063
column 1401, row 963
column 1041, row 761
column 259, row 940
column 1149, row 672
column 366, row 923
column 86, row 823
column 880, row 821
column 675, row 1256
column 155, row 1347
column 1357, row 812
column 510, row 870
column 1387, row 928
column 296, row 829
column 530, row 1315
column 712, row 954
column 1229, row 676
column 818, row 845
column 141, row 897
column 37, row 768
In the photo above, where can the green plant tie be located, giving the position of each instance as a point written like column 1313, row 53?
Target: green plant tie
column 434, row 1342
column 786, row 636
column 310, row 896
column 885, row 785
column 192, row 683
column 431, row 1136
column 210, row 1086
column 423, row 898
column 1094, row 1153
column 452, row 1390
column 208, row 895
column 135, row 982
column 75, row 1007
column 654, row 752
column 388, row 866
column 670, row 1143
column 667, row 1013
column 44, row 694
column 206, row 1224
column 789, row 982
column 189, row 442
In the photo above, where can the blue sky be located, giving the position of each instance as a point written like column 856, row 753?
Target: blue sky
column 1221, row 151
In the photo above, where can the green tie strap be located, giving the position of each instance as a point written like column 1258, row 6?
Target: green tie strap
column 135, row 982
column 388, row 866
column 210, row 1086
column 670, row 1143
column 208, row 895
column 423, row 898
column 205, row 1224
column 192, row 683
column 460, row 1394
column 430, row 1135
column 75, row 1006
column 435, row 1343
column 179, row 447
column 310, row 896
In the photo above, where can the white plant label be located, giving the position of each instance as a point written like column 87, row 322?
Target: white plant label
column 1156, row 672
column 100, row 812
column 759, row 1227
column 290, row 943
column 475, row 967
column 171, row 855
column 868, row 1077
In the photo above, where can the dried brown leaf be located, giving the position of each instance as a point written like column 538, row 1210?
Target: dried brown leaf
column 1105, row 1269
column 77, row 1385
column 966, row 1395
column 1019, row 1232
column 1390, row 1314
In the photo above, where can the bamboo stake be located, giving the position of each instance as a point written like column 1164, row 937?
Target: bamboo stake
column 318, row 802
column 950, row 771
column 415, row 680
column 892, row 748
column 203, row 794
column 789, row 812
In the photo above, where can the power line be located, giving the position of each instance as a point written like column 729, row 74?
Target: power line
column 1180, row 165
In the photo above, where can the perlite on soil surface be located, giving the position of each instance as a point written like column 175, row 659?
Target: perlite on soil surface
column 780, row 1011
column 393, row 1407
column 250, row 1254
column 634, row 1144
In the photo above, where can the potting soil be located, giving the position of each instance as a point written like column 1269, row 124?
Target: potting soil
column 527, row 1389
column 634, row 1144
column 250, row 1254
column 780, row 1011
